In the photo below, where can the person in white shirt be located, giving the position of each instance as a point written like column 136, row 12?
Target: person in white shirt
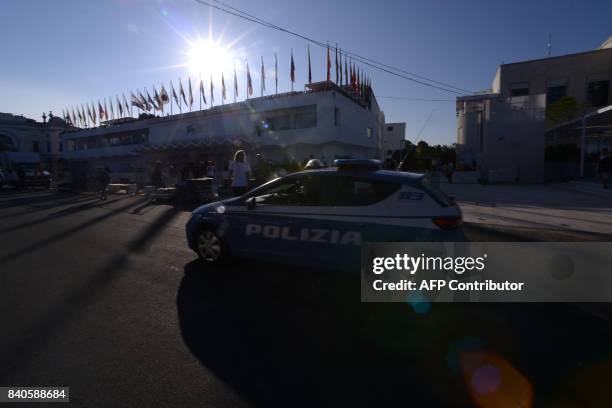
column 240, row 173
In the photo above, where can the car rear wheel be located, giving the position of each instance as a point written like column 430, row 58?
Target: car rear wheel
column 209, row 246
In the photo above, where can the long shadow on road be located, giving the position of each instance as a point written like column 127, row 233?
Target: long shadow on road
column 66, row 233
column 22, row 347
column 293, row 337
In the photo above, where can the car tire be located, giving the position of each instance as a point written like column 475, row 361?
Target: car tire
column 209, row 246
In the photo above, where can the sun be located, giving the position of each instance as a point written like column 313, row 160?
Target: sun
column 208, row 57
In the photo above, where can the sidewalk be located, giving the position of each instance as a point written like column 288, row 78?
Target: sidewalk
column 593, row 187
column 543, row 207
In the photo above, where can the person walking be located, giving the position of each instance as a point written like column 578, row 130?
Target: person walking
column 157, row 176
column 239, row 173
column 605, row 168
column 450, row 169
column 103, row 180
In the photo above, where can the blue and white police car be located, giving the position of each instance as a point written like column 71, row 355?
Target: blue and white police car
column 322, row 216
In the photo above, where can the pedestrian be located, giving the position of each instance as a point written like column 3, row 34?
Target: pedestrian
column 157, row 175
column 605, row 167
column 261, row 170
column 239, row 173
column 21, row 177
column 103, row 179
column 450, row 169
column 210, row 169
column 173, row 175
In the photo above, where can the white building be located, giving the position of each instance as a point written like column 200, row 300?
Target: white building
column 394, row 138
column 25, row 135
column 324, row 122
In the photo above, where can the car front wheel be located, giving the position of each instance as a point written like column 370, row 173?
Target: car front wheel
column 209, row 246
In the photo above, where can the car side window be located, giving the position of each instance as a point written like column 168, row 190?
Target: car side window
column 357, row 191
column 308, row 190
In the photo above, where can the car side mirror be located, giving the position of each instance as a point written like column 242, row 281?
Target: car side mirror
column 251, row 203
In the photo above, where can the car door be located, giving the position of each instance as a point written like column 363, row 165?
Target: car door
column 263, row 225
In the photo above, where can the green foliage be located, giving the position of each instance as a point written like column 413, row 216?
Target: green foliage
column 566, row 108
column 421, row 156
column 562, row 153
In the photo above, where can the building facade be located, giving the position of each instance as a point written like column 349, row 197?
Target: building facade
column 507, row 128
column 323, row 122
column 21, row 134
column 394, row 138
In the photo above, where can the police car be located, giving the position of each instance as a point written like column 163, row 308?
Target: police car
column 322, row 216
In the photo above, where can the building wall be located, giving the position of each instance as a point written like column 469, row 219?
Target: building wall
column 497, row 134
column 394, row 138
column 576, row 70
column 21, row 134
column 340, row 122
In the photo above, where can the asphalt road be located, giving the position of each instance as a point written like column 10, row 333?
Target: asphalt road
column 104, row 298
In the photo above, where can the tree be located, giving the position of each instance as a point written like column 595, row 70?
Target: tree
column 566, row 108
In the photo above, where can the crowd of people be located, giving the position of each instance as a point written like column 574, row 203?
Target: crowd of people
column 237, row 175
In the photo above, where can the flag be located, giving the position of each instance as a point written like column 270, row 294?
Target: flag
column 263, row 77
column 79, row 116
column 235, row 83
column 105, row 110
column 150, row 102
column 93, row 112
column 125, row 104
column 357, row 83
column 83, row 112
column 309, row 67
column 156, row 99
column 202, row 94
column 112, row 109
column 292, row 74
column 223, row 91
column 163, row 96
column 119, row 105
column 100, row 111
column 135, row 101
column 336, row 63
column 175, row 96
column 340, row 65
column 249, row 81
column 182, row 92
column 212, row 92
column 328, row 64
column 145, row 104
column 275, row 73
column 346, row 75
column 190, row 94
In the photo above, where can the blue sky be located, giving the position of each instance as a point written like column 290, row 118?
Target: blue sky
column 62, row 53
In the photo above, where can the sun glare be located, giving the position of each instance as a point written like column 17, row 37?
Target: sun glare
column 208, row 58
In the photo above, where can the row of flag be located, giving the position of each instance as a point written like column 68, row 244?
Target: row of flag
column 347, row 75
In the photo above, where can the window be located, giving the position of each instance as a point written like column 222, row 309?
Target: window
column 555, row 90
column 280, row 122
column 336, row 116
column 293, row 118
column 369, row 132
column 326, row 190
column 597, row 93
column 389, row 128
column 305, row 117
column 302, row 191
column 355, row 191
column 519, row 89
column 35, row 147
